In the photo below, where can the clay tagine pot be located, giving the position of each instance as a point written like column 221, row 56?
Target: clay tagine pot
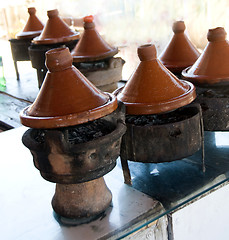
column 75, row 139
column 211, row 69
column 94, row 58
column 180, row 52
column 55, row 30
column 162, row 125
column 210, row 74
column 66, row 97
column 152, row 89
column 33, row 26
column 91, row 46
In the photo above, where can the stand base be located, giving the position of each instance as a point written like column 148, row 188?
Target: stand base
column 81, row 203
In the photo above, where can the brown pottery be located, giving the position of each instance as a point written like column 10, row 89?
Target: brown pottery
column 33, row 26
column 180, row 52
column 91, row 46
column 152, row 88
column 55, row 30
column 66, row 97
column 211, row 68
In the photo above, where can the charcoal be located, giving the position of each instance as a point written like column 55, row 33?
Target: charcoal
column 158, row 119
column 89, row 131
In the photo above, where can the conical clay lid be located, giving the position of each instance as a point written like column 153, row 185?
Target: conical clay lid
column 55, row 30
column 66, row 97
column 152, row 88
column 91, row 46
column 180, row 52
column 211, row 68
column 33, row 26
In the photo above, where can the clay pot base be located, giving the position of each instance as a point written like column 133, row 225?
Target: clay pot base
column 81, row 203
column 56, row 40
column 215, row 109
column 157, row 108
column 71, row 119
column 30, row 34
column 204, row 81
column 77, row 59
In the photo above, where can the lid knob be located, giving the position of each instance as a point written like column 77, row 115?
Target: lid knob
column 52, row 13
column 178, row 27
column 32, row 10
column 88, row 22
column 216, row 34
column 89, row 18
column 147, row 52
column 58, row 59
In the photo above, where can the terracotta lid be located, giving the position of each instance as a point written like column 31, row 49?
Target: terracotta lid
column 180, row 52
column 55, row 30
column 66, row 97
column 212, row 66
column 152, row 88
column 91, row 46
column 33, row 26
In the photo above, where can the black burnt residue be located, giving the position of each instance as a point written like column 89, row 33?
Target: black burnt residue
column 89, row 131
column 159, row 119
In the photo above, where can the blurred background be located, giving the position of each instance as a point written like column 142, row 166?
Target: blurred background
column 125, row 23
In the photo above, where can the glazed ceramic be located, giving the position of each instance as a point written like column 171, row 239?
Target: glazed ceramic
column 180, row 52
column 152, row 88
column 212, row 66
column 55, row 30
column 91, row 45
column 33, row 26
column 66, row 97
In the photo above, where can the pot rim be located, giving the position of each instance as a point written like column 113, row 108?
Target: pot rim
column 91, row 58
column 204, row 79
column 69, row 119
column 74, row 36
column 160, row 107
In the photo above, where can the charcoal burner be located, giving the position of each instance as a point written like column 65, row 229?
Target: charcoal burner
column 215, row 108
column 78, row 166
column 19, row 46
column 37, row 56
column 19, row 49
column 161, row 138
column 74, row 139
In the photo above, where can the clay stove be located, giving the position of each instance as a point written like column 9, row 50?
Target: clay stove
column 94, row 58
column 180, row 52
column 19, row 46
column 210, row 74
column 162, row 125
column 55, row 34
column 75, row 139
